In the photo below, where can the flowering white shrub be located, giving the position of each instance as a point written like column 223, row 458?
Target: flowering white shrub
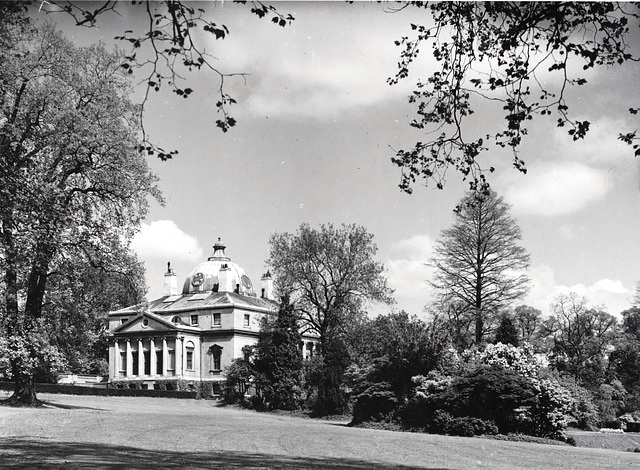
column 553, row 407
column 521, row 359
column 611, row 431
column 434, row 382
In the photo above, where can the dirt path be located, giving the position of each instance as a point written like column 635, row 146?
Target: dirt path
column 76, row 432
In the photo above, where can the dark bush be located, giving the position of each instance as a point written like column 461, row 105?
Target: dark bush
column 375, row 403
column 487, row 394
column 467, row 426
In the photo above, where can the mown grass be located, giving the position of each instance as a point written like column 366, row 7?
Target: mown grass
column 74, row 432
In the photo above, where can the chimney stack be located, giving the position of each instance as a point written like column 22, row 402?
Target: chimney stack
column 170, row 282
column 266, row 282
column 225, row 279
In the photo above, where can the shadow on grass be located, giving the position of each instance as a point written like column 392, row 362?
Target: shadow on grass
column 21, row 452
column 46, row 404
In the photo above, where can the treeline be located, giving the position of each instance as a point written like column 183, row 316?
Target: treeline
column 476, row 366
column 577, row 367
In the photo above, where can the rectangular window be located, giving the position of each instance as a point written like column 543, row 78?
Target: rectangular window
column 171, row 366
column 194, row 320
column 134, row 356
column 123, row 363
column 147, row 362
column 189, row 360
column 159, row 362
column 217, row 321
column 216, row 360
column 247, row 320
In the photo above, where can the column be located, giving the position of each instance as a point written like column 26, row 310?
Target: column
column 183, row 360
column 114, row 360
column 178, row 349
column 129, row 359
column 152, row 356
column 140, row 357
column 165, row 356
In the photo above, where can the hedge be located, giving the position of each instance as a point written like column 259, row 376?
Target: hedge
column 107, row 392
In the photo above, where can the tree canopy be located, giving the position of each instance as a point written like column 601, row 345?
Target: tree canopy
column 479, row 265
column 503, row 52
column 73, row 185
column 329, row 274
column 580, row 336
column 168, row 45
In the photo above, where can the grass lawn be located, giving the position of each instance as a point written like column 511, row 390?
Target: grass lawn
column 82, row 432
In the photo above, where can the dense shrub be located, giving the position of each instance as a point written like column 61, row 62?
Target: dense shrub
column 469, row 426
column 554, row 403
column 487, row 399
column 239, row 375
column 377, row 402
column 327, row 393
column 583, row 413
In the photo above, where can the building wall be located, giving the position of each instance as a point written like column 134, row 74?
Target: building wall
column 231, row 335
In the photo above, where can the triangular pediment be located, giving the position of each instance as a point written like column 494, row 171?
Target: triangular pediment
column 145, row 322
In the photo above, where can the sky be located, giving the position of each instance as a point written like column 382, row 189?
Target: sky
column 317, row 128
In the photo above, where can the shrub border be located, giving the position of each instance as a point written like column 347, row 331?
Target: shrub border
column 107, row 392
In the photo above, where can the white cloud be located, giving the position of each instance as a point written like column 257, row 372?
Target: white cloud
column 407, row 272
column 611, row 293
column 163, row 239
column 317, row 67
column 556, row 189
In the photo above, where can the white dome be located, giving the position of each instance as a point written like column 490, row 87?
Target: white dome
column 207, row 277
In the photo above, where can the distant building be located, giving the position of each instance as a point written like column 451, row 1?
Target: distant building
column 191, row 334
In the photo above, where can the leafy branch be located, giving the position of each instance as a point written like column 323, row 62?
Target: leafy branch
column 496, row 52
column 170, row 37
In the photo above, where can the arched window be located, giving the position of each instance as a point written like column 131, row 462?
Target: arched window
column 216, row 358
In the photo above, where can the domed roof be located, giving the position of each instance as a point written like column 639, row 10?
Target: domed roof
column 218, row 274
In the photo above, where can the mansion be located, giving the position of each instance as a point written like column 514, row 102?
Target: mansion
column 194, row 332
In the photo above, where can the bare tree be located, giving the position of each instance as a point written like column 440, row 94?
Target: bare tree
column 478, row 261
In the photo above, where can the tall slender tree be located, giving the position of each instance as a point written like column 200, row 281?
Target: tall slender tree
column 73, row 184
column 478, row 261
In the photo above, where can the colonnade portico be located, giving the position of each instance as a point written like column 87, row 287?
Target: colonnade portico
column 160, row 356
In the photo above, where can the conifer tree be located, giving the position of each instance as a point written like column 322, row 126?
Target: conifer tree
column 478, row 261
column 279, row 360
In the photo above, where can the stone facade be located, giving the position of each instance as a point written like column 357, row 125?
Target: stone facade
column 194, row 334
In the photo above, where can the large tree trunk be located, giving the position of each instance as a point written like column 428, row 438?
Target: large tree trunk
column 24, row 384
column 24, row 392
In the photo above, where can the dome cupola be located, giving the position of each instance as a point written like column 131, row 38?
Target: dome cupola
column 218, row 274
